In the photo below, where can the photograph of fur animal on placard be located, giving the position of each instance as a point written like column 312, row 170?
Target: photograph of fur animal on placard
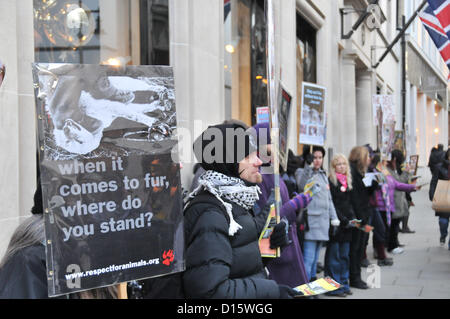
column 92, row 110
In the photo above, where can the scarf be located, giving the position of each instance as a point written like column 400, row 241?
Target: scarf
column 342, row 179
column 230, row 188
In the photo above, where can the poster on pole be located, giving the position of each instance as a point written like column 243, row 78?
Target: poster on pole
column 383, row 109
column 313, row 115
column 262, row 114
column 399, row 141
column 111, row 187
column 272, row 98
column 284, row 102
column 414, row 163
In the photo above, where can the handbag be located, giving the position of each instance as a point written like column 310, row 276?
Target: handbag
column 441, row 198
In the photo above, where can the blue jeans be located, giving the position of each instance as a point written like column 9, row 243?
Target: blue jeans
column 311, row 251
column 337, row 264
column 443, row 227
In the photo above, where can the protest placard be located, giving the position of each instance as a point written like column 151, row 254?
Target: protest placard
column 284, row 102
column 313, row 115
column 111, row 190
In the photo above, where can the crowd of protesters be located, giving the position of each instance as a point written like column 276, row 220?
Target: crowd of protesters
column 226, row 209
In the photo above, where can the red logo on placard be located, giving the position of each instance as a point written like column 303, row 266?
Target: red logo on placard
column 168, row 257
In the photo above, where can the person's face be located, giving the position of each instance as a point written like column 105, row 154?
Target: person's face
column 318, row 159
column 249, row 169
column 341, row 166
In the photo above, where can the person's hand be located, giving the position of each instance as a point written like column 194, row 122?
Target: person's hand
column 335, row 222
column 287, row 292
column 418, row 187
column 311, row 188
column 279, row 236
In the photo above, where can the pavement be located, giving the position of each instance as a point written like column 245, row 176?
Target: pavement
column 422, row 271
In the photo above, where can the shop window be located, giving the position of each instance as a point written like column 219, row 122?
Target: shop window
column 101, row 31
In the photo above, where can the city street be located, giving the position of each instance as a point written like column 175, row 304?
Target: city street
column 423, row 269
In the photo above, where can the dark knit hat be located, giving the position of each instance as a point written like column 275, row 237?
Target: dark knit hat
column 221, row 147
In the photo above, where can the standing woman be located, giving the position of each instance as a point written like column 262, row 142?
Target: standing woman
column 359, row 162
column 401, row 204
column 385, row 204
column 442, row 172
column 337, row 259
column 320, row 211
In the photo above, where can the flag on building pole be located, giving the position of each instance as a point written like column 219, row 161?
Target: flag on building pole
column 436, row 20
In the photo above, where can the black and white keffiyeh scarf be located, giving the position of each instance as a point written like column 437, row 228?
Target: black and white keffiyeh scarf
column 230, row 188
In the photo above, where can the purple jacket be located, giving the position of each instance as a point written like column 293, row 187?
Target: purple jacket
column 392, row 185
column 289, row 269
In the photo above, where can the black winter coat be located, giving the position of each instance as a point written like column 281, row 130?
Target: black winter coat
column 219, row 265
column 24, row 276
column 344, row 210
column 360, row 196
column 441, row 172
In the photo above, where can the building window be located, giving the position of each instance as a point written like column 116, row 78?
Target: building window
column 101, row 31
column 244, row 58
column 306, row 36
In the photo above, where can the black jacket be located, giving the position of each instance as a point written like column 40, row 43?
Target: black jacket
column 220, row 266
column 436, row 157
column 344, row 210
column 24, row 276
column 440, row 173
column 360, row 196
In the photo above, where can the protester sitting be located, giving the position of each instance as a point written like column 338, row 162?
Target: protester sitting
column 337, row 259
column 442, row 172
column 223, row 259
column 320, row 211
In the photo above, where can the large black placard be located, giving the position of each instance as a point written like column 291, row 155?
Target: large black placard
column 111, row 189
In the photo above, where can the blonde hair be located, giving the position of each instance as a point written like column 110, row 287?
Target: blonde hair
column 334, row 162
column 359, row 156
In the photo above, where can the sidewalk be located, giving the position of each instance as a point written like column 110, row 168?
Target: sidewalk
column 421, row 271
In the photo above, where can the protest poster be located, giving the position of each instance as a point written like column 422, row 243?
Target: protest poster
column 264, row 238
column 262, row 114
column 273, row 76
column 284, row 101
column 313, row 115
column 384, row 117
column 111, row 189
column 399, row 141
column 413, row 163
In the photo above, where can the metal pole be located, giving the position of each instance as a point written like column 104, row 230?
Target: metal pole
column 403, row 76
column 389, row 48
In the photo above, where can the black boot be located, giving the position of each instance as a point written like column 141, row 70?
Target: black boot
column 405, row 229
